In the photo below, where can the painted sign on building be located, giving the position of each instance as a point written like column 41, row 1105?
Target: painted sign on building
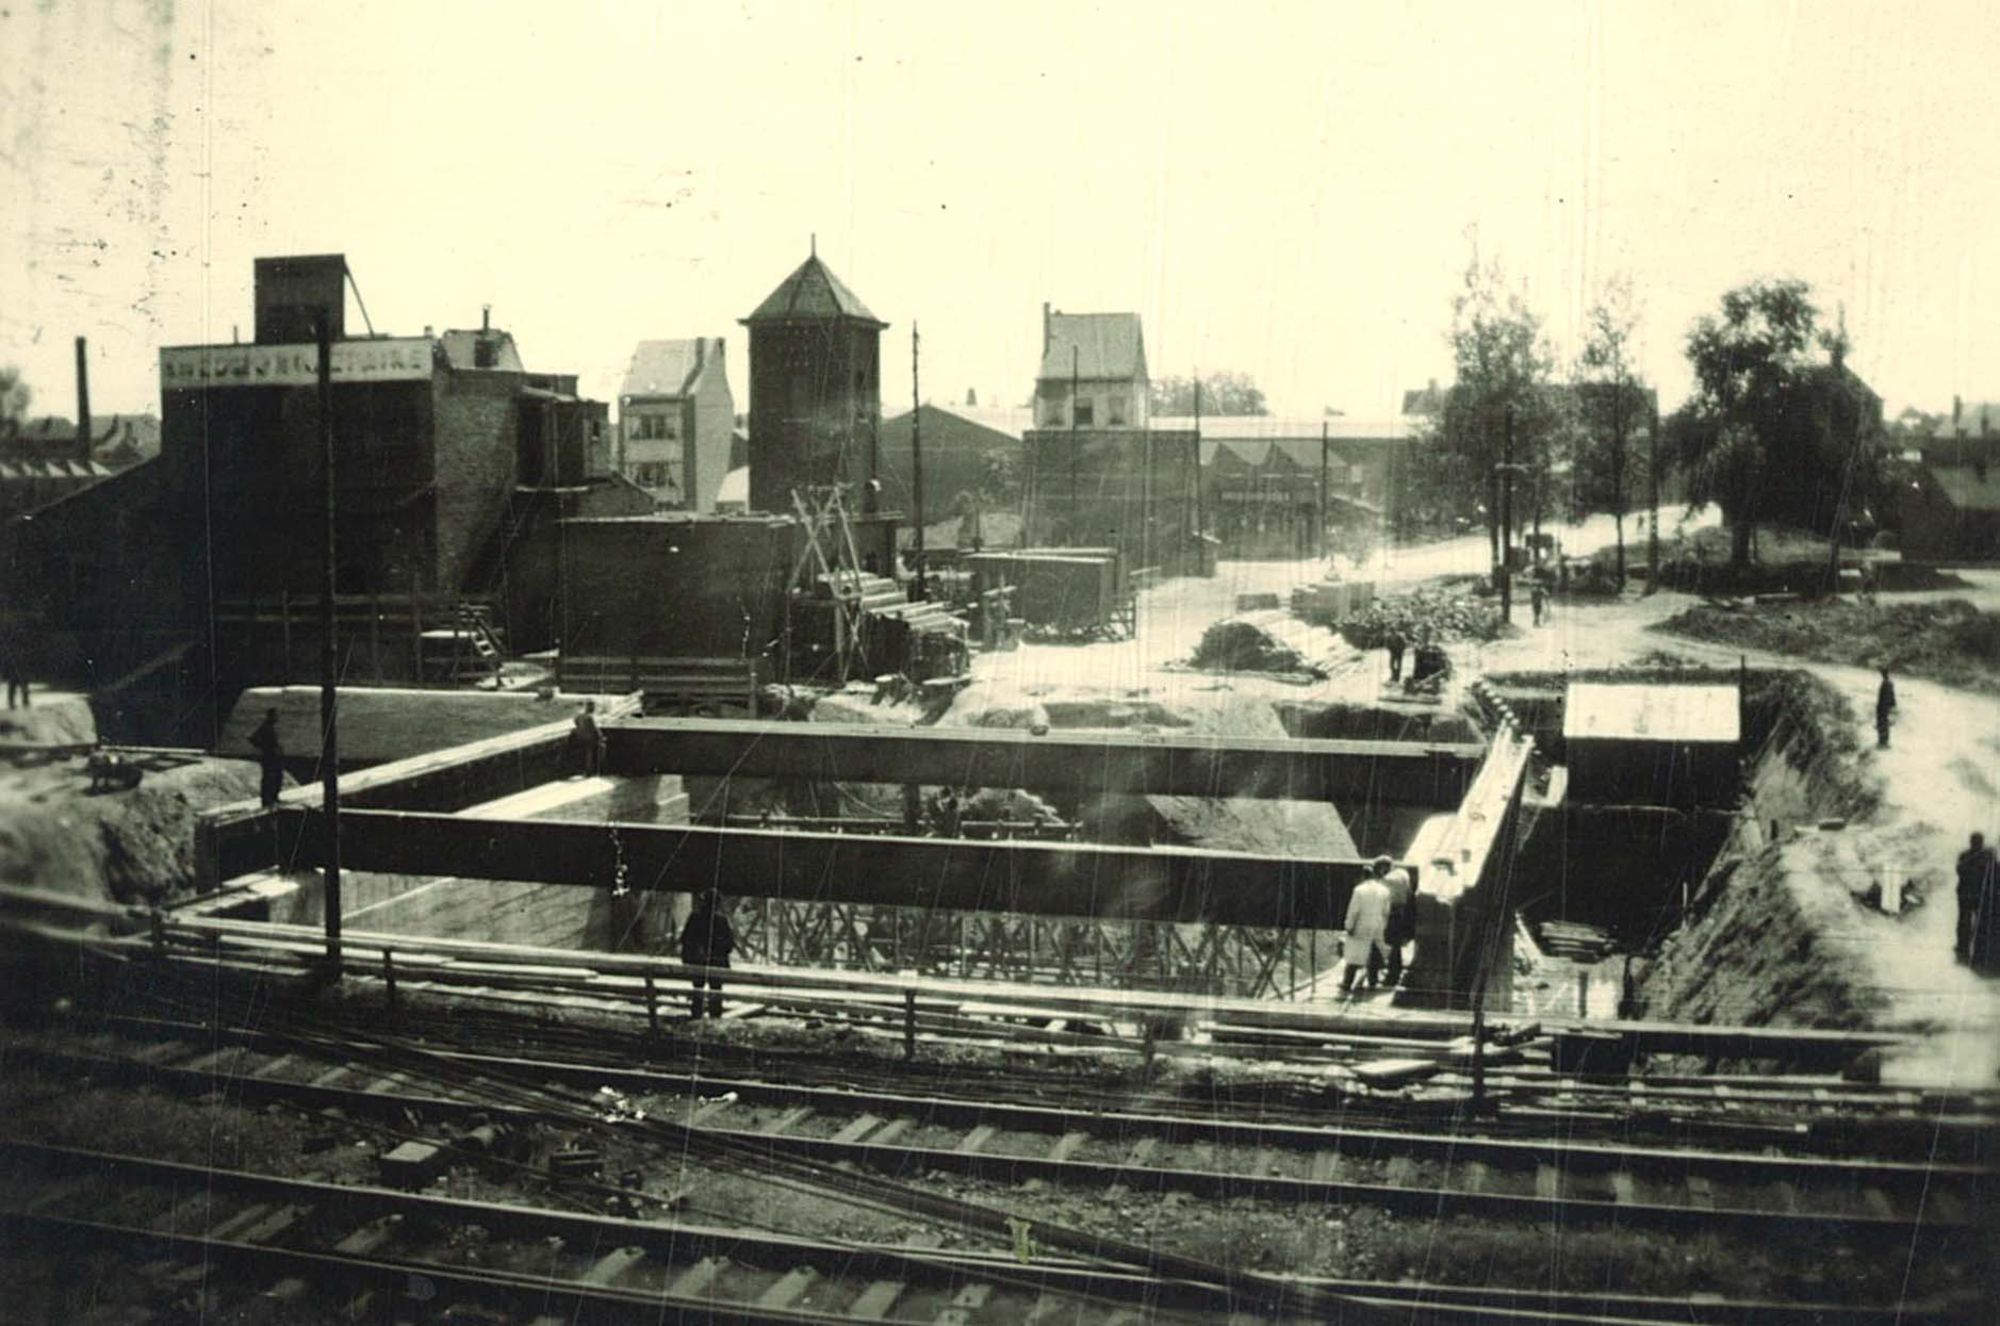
column 402, row 359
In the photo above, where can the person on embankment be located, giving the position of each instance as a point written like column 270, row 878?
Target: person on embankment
column 1885, row 705
column 1977, row 900
column 270, row 758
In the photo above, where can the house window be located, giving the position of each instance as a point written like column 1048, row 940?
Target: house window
column 1114, row 411
column 1086, row 413
column 657, row 428
column 1052, row 413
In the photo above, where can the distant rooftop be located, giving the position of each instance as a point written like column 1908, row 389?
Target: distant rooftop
column 812, row 294
column 1267, row 428
column 668, row 368
column 1669, row 713
column 1098, row 346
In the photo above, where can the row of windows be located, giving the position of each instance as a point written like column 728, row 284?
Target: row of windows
column 657, row 474
column 1116, row 412
column 656, row 427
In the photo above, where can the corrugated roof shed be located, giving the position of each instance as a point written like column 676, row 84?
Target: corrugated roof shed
column 812, row 294
column 1093, row 345
column 1613, row 712
column 667, row 368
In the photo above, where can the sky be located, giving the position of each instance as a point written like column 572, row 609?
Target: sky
column 1289, row 190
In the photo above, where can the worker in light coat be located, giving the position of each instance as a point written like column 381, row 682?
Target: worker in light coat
column 1367, row 928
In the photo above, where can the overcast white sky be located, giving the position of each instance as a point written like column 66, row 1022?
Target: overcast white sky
column 1281, row 189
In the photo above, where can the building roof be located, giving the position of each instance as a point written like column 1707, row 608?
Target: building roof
column 1007, row 424
column 669, row 368
column 1425, row 400
column 1266, row 428
column 812, row 294
column 1609, row 711
column 1097, row 346
column 1969, row 487
column 459, row 351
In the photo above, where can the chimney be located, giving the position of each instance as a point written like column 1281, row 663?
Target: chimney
column 82, row 400
column 700, row 354
column 1047, row 333
column 485, row 317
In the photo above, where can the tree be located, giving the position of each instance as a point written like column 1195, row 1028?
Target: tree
column 1777, row 427
column 1503, row 364
column 1613, row 403
column 1221, row 393
column 1000, row 476
column 14, row 397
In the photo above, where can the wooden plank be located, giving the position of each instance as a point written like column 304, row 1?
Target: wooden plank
column 1701, row 1193
column 709, row 1112
column 1474, row 1176
column 273, row 1067
column 613, row 1265
column 976, row 1139
column 889, row 1132
column 857, row 1129
column 694, row 1282
column 789, row 1289
column 1398, row 1171
column 1548, row 1182
column 1878, row 1202
column 1067, row 1145
column 787, row 1121
column 1623, row 1189
column 876, row 1300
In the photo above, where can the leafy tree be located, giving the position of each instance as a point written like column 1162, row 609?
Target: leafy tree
column 1000, row 476
column 1221, row 393
column 14, row 397
column 1776, row 428
column 1614, row 406
column 1503, row 363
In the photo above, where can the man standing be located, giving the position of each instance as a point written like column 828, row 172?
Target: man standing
column 1402, row 926
column 1396, row 646
column 17, row 676
column 707, row 941
column 270, row 758
column 1976, row 872
column 1885, row 704
column 1538, row 598
column 588, row 739
column 1367, row 927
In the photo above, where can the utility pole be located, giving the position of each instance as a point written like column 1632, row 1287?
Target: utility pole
column 1200, row 516
column 1653, row 520
column 329, row 676
column 917, row 460
column 1507, row 520
column 1322, row 487
column 1075, row 398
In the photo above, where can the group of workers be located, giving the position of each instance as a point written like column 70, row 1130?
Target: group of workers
column 1381, row 919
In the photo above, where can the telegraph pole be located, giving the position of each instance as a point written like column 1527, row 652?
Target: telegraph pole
column 1653, row 522
column 1322, row 487
column 1075, row 398
column 1507, row 468
column 917, row 459
column 329, row 759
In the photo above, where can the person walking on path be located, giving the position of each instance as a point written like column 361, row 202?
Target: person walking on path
column 1396, row 645
column 1976, row 896
column 270, row 758
column 1538, row 598
column 588, row 741
column 17, row 676
column 1885, row 705
column 1402, row 926
column 1367, row 928
column 707, row 941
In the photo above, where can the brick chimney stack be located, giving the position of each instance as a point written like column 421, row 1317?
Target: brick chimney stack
column 82, row 400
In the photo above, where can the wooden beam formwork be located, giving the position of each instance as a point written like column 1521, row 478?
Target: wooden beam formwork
column 1076, row 764
column 1045, row 879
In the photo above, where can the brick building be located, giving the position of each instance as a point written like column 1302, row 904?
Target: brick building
column 447, row 452
column 676, row 417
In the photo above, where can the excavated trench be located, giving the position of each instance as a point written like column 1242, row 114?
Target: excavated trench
column 1695, row 894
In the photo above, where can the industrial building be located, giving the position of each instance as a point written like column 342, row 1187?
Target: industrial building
column 197, row 572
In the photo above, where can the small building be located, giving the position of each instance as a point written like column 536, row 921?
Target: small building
column 1951, row 507
column 1093, row 372
column 969, row 452
column 1652, row 745
column 676, row 417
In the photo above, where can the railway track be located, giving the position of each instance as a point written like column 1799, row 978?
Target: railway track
column 369, row 1253
column 1428, row 1174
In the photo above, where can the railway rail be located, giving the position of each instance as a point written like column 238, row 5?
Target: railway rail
column 1421, row 1173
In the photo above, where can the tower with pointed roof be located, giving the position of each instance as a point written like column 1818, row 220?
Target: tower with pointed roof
column 815, row 389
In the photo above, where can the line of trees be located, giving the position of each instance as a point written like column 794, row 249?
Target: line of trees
column 1777, row 430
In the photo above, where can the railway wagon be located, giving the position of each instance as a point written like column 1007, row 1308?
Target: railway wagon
column 1060, row 591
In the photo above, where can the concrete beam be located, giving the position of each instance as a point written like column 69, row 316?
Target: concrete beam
column 1049, row 879
column 1083, row 765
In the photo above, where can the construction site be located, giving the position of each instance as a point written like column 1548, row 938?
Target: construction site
column 1040, row 871
column 644, row 800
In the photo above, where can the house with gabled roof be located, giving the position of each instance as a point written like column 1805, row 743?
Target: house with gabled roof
column 1093, row 372
column 676, row 414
